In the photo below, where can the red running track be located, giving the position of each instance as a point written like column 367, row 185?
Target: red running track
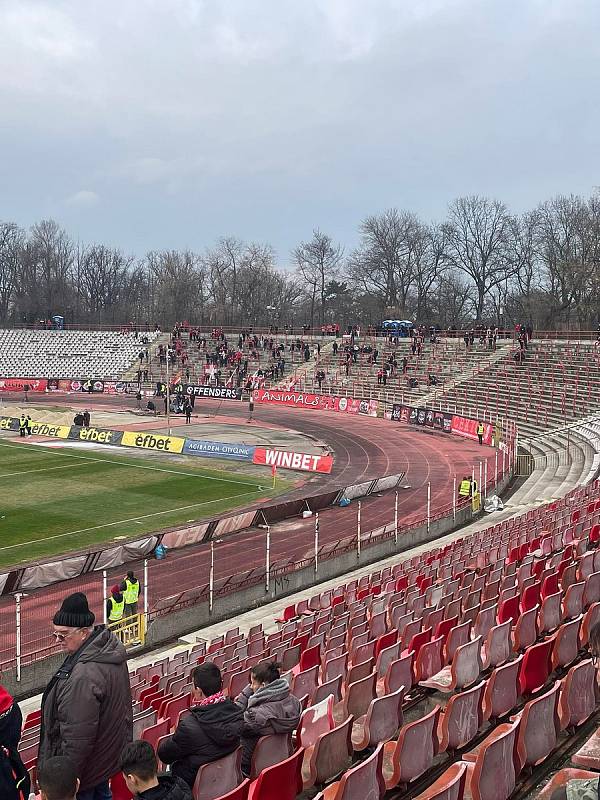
column 363, row 449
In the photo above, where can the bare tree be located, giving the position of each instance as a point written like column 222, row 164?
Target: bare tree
column 384, row 264
column 478, row 234
column 317, row 263
column 11, row 244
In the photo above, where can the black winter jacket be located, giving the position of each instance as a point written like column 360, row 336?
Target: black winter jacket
column 86, row 709
column 204, row 735
column 169, row 788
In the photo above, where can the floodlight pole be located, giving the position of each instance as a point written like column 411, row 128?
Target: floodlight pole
column 396, row 517
column 146, row 588
column 358, row 531
column 211, row 577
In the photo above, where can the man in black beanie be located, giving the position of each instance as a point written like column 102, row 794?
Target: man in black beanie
column 86, row 707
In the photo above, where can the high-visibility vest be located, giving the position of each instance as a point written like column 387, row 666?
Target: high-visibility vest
column 132, row 592
column 465, row 488
column 480, row 430
column 116, row 610
column 22, row 422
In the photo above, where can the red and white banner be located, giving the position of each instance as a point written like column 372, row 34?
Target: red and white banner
column 462, row 426
column 287, row 459
column 17, row 384
column 316, row 402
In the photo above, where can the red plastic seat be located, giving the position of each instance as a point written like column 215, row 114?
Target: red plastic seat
column 573, row 600
column 461, row 719
column 549, row 585
column 381, row 722
column 316, row 720
column 310, row 658
column 449, row 786
column 329, row 756
column 363, row 781
column 269, row 750
column 418, row 640
column 400, row 673
column 539, row 728
column 550, row 615
column 535, row 667
column 485, row 621
column 282, row 781
column 498, row 645
column 154, row 732
column 494, row 772
column 429, row 659
column 566, row 644
column 464, row 670
column 412, row 754
column 357, row 698
column 289, row 613
column 509, row 609
column 218, row 778
column 385, row 657
column 502, row 690
column 305, row 683
column 525, row 630
column 458, row 636
column 530, row 596
column 577, row 700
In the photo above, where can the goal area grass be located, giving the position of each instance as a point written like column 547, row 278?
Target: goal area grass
column 58, row 499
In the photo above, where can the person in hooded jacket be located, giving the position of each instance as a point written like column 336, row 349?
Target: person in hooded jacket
column 210, row 731
column 86, row 707
column 140, row 770
column 268, row 706
column 14, row 778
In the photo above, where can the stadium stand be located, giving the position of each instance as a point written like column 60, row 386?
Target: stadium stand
column 449, row 361
column 260, row 359
column 68, row 354
column 498, row 619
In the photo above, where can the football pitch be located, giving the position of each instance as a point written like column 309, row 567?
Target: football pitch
column 60, row 499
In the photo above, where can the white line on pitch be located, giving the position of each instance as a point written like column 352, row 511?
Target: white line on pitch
column 123, row 521
column 131, row 466
column 42, row 469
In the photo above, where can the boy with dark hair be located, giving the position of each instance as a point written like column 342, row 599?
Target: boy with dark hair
column 210, row 731
column 58, row 779
column 139, row 768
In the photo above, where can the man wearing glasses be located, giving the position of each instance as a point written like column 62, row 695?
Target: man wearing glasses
column 86, row 707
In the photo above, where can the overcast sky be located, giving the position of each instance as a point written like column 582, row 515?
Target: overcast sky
column 168, row 123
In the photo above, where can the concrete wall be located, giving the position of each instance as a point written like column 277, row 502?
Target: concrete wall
column 164, row 629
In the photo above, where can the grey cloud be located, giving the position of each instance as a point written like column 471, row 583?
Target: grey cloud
column 265, row 118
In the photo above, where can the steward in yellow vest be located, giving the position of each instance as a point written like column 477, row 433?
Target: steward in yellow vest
column 465, row 487
column 115, row 605
column 131, row 592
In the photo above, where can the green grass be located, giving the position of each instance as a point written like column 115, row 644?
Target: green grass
column 56, row 500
